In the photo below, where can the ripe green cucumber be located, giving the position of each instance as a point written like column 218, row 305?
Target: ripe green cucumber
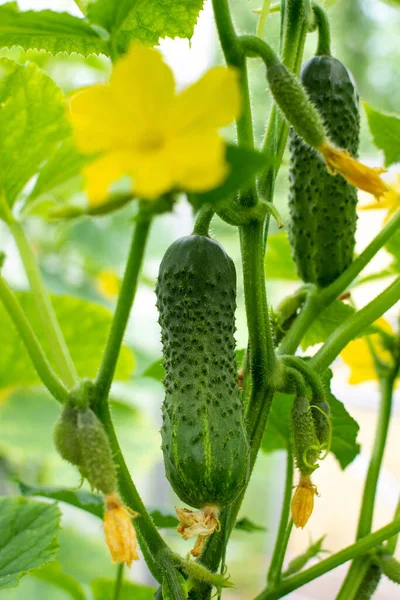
column 204, row 440
column 323, row 207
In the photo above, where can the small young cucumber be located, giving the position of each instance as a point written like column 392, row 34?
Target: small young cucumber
column 204, row 440
column 306, row 445
column 322, row 206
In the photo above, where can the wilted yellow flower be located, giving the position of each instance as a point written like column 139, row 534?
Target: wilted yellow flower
column 108, row 284
column 119, row 532
column 201, row 523
column 144, row 129
column 302, row 503
column 362, row 177
column 358, row 356
column 390, row 200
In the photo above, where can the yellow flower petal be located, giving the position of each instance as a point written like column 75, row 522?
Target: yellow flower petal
column 199, row 161
column 151, row 173
column 357, row 355
column 143, row 87
column 108, row 284
column 302, row 503
column 362, row 177
column 119, row 532
column 212, row 102
column 100, row 174
column 97, row 125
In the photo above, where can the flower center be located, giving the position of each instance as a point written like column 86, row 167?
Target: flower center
column 151, row 142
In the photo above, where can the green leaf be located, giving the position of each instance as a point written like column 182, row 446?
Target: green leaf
column 327, row 322
column 154, row 19
column 245, row 524
column 28, row 537
column 32, row 123
column 278, row 258
column 277, row 435
column 244, row 164
column 54, row 32
column 53, row 574
column 103, row 589
column 82, row 499
column 51, row 176
column 385, row 130
column 111, row 14
column 85, row 326
column 344, row 427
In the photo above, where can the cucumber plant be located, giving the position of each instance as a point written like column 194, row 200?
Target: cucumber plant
column 133, row 147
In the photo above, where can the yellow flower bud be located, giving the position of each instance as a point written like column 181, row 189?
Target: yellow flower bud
column 119, row 532
column 362, row 177
column 303, row 501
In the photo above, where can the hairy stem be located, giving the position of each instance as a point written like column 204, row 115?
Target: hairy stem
column 275, row 569
column 324, row 33
column 203, row 220
column 32, row 345
column 360, row 547
column 123, row 309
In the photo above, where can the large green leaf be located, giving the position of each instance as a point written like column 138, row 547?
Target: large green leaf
column 85, row 326
column 277, row 434
column 155, row 19
column 327, row 322
column 32, row 123
column 92, row 503
column 244, row 164
column 278, row 259
column 385, row 131
column 47, row 30
column 103, row 589
column 111, row 14
column 28, row 537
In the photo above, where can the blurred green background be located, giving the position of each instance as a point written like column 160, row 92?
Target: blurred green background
column 85, row 259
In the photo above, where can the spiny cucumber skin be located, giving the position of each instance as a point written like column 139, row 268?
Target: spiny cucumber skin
column 304, row 435
column 390, row 567
column 369, row 584
column 323, row 207
column 204, row 440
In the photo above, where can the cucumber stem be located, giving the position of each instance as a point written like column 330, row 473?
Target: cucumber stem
column 324, row 33
column 32, row 345
column 203, row 220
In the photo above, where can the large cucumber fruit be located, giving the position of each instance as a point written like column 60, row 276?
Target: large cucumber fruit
column 204, row 441
column 323, row 207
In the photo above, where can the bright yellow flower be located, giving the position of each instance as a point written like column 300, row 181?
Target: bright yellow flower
column 119, row 532
column 390, row 200
column 108, row 284
column 144, row 129
column 357, row 355
column 362, row 177
column 302, row 503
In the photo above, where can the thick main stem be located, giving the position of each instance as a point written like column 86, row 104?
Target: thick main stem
column 123, row 309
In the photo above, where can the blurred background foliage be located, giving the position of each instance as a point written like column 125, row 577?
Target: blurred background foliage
column 84, row 259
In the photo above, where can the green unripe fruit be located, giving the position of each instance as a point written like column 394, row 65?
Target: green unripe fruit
column 81, row 440
column 305, row 441
column 293, row 101
column 323, row 207
column 65, row 436
column 321, row 411
column 390, row 567
column 369, row 584
column 204, row 440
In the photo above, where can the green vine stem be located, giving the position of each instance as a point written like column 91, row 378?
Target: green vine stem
column 55, row 338
column 392, row 542
column 354, row 325
column 263, row 18
column 318, row 299
column 32, row 345
column 118, row 581
column 203, row 220
column 278, row 556
column 359, row 548
column 123, row 309
column 311, row 377
column 387, row 382
column 324, row 34
column 234, row 57
column 155, row 550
